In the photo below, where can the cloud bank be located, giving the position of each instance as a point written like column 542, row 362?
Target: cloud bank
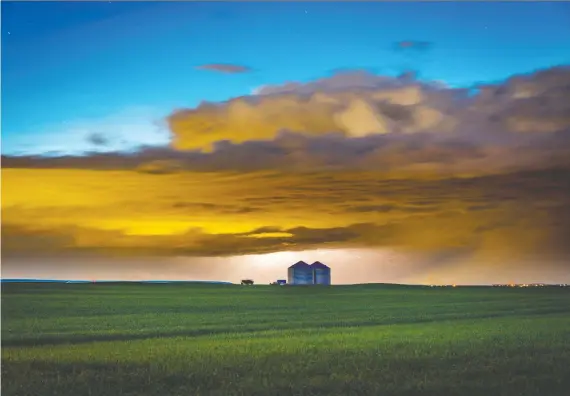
column 458, row 179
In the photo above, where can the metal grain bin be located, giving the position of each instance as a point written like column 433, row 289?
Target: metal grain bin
column 300, row 273
column 321, row 273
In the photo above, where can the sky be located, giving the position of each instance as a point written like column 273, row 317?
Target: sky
column 396, row 142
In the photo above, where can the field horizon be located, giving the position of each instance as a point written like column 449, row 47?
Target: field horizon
column 84, row 281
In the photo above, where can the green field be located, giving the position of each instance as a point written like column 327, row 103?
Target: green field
column 183, row 339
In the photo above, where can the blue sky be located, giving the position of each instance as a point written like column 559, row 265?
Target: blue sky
column 69, row 69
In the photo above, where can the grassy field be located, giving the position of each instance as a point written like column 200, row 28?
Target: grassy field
column 160, row 339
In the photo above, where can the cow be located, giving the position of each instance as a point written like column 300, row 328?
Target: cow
column 247, row 282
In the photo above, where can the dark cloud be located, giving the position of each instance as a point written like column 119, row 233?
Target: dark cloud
column 392, row 154
column 97, row 139
column 372, row 208
column 197, row 207
column 224, row 68
column 56, row 240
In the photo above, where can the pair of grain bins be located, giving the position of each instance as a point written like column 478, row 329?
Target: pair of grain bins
column 302, row 273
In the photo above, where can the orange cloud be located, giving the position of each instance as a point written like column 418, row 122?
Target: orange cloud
column 191, row 213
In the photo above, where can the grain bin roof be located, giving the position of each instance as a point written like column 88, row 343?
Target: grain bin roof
column 318, row 264
column 300, row 264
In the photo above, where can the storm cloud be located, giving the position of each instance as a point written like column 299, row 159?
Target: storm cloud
column 458, row 179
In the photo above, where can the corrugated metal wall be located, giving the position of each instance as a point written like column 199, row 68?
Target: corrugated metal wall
column 302, row 276
column 290, row 275
column 322, row 276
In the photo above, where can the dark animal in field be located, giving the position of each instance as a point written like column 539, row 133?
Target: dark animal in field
column 247, row 282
